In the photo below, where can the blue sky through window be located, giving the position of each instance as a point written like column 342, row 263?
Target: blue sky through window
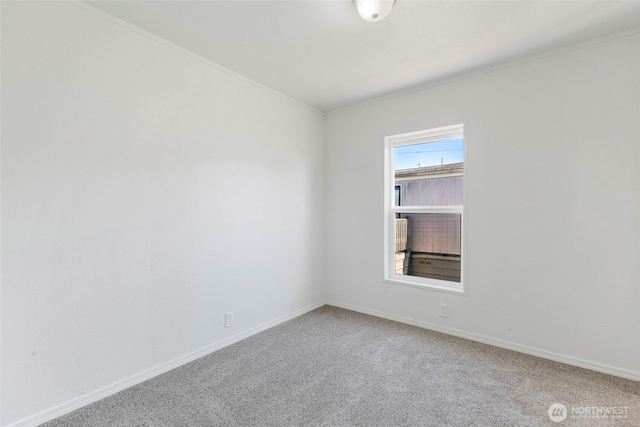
column 429, row 154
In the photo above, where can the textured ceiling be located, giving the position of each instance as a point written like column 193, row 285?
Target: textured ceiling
column 324, row 55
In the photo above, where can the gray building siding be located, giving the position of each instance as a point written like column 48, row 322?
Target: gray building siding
column 432, row 233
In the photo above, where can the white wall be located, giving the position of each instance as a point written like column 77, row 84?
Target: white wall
column 552, row 209
column 144, row 194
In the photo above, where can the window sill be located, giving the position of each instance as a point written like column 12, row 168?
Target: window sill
column 458, row 289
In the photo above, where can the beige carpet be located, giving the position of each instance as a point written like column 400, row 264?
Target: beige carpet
column 334, row 367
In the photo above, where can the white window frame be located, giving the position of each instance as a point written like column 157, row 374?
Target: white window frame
column 390, row 210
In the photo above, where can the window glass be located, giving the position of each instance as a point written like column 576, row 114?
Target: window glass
column 424, row 242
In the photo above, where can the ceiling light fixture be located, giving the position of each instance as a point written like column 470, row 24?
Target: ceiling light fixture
column 374, row 10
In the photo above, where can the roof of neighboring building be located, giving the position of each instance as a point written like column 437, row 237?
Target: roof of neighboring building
column 431, row 170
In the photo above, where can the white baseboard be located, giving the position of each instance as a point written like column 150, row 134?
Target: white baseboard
column 96, row 395
column 495, row 342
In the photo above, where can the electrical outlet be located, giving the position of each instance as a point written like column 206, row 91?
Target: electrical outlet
column 444, row 310
column 228, row 319
column 85, row 390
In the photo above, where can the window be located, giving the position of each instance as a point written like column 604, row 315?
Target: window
column 424, row 174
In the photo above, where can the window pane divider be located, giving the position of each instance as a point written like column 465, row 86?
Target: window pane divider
column 427, row 209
